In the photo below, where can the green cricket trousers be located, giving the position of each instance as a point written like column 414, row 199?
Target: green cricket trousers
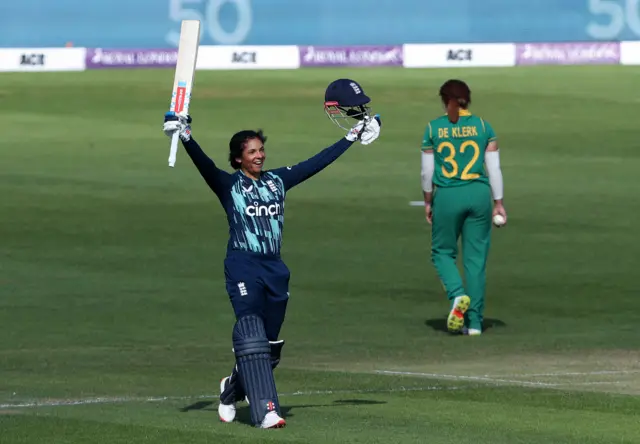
column 463, row 212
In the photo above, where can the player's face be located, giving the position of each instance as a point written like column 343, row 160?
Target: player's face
column 253, row 157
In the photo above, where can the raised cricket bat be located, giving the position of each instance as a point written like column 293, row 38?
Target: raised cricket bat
column 184, row 76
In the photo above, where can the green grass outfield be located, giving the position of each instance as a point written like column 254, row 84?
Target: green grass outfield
column 116, row 327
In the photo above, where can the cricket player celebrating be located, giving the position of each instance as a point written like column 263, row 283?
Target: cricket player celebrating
column 454, row 149
column 257, row 280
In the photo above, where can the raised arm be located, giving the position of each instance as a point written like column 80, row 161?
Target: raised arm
column 366, row 131
column 217, row 179
column 293, row 175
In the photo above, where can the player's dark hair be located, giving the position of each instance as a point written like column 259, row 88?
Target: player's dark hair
column 238, row 143
column 458, row 92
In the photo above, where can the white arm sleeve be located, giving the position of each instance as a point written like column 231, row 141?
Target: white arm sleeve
column 492, row 162
column 427, row 172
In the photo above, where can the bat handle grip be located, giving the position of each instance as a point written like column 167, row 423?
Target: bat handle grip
column 173, row 151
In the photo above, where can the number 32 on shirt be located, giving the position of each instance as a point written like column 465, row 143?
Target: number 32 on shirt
column 450, row 159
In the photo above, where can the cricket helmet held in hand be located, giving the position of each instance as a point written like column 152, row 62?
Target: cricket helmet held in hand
column 345, row 99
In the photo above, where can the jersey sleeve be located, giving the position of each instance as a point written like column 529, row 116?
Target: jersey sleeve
column 218, row 180
column 489, row 132
column 293, row 175
column 427, row 140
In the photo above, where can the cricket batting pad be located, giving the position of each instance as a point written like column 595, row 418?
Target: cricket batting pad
column 234, row 391
column 253, row 359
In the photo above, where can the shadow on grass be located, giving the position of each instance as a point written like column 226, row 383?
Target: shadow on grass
column 440, row 324
column 243, row 414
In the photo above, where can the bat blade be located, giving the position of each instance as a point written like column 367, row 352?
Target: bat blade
column 184, row 76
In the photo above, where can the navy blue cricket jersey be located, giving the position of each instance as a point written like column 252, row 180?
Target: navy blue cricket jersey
column 255, row 208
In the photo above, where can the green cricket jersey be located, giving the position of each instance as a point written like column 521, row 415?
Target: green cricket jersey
column 458, row 149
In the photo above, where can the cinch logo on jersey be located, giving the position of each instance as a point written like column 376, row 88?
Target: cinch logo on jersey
column 263, row 210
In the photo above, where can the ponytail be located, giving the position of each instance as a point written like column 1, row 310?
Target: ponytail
column 453, row 112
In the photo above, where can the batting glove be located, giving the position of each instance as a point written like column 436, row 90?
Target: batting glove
column 371, row 130
column 177, row 122
column 366, row 130
column 354, row 133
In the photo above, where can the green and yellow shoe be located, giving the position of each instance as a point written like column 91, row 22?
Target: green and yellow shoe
column 455, row 321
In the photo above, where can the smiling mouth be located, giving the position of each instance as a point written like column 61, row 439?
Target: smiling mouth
column 258, row 163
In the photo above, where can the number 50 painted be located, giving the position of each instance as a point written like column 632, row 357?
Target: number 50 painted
column 619, row 13
column 189, row 10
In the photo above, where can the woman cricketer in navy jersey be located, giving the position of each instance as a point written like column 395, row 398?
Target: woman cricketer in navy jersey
column 257, row 280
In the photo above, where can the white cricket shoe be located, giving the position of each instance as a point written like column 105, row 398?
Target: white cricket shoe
column 272, row 421
column 226, row 412
column 471, row 331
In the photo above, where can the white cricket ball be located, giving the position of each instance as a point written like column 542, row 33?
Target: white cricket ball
column 498, row 220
